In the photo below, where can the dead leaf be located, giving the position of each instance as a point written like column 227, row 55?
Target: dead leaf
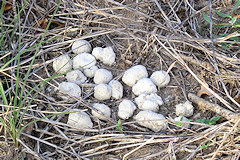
column 203, row 91
column 237, row 99
column 42, row 23
column 7, row 7
column 235, row 15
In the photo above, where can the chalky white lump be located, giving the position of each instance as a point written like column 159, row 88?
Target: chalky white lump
column 144, row 85
column 104, row 109
column 76, row 76
column 133, row 74
column 151, row 120
column 62, row 64
column 80, row 120
column 70, row 88
column 182, row 119
column 81, row 46
column 102, row 76
column 105, row 55
column 83, row 61
column 102, row 92
column 90, row 72
column 126, row 109
column 160, row 78
column 185, row 109
column 149, row 102
column 117, row 89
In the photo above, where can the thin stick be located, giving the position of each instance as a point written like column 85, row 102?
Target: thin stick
column 229, row 115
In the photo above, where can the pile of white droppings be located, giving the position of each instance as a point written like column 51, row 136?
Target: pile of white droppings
column 83, row 67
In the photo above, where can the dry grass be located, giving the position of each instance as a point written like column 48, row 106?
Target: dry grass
column 157, row 34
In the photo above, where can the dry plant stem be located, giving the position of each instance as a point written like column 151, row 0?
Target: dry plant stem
column 181, row 61
column 203, row 104
column 28, row 149
column 48, row 143
column 134, row 150
column 225, row 137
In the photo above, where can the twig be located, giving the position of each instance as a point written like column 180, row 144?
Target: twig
column 203, row 104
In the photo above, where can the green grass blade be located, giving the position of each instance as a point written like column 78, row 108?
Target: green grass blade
column 223, row 15
column 214, row 120
column 206, row 17
column 235, row 7
column 29, row 69
column 55, row 114
column 18, row 66
column 6, row 127
column 23, row 7
column 4, row 98
column 233, row 20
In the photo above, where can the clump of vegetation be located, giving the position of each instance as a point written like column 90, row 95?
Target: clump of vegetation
column 119, row 126
column 212, row 121
column 234, row 22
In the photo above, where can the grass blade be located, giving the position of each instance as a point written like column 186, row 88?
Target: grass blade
column 206, row 17
column 235, row 7
column 223, row 15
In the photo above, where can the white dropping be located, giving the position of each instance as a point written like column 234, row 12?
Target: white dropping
column 79, row 120
column 102, row 76
column 105, row 55
column 133, row 74
column 151, row 120
column 103, row 109
column 81, row 46
column 160, row 78
column 102, row 92
column 76, row 76
column 149, row 102
column 117, row 89
column 126, row 109
column 83, row 61
column 62, row 64
column 144, row 85
column 90, row 72
column 185, row 109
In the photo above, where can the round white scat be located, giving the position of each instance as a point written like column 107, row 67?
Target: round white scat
column 80, row 120
column 126, row 109
column 90, row 72
column 104, row 109
column 102, row 92
column 76, row 76
column 102, row 76
column 151, row 120
column 62, row 64
column 144, row 85
column 185, row 109
column 83, row 61
column 70, row 88
column 81, row 46
column 105, row 55
column 149, row 102
column 117, row 89
column 180, row 119
column 160, row 78
column 133, row 74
